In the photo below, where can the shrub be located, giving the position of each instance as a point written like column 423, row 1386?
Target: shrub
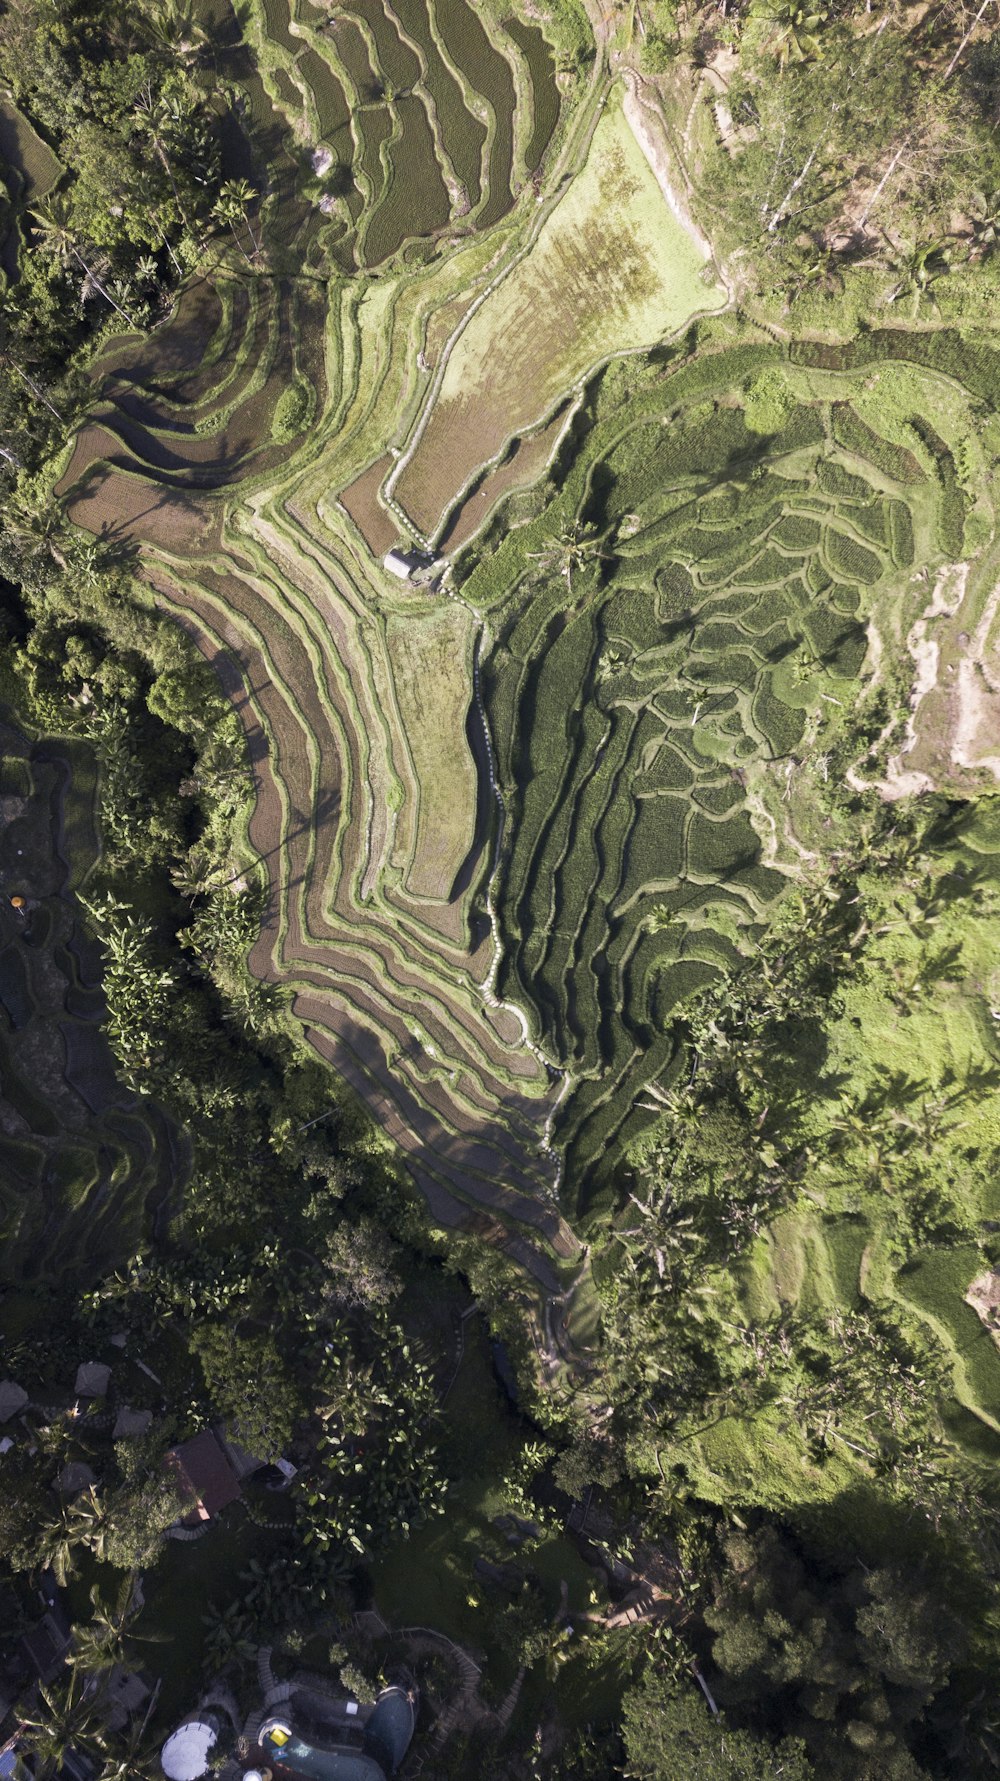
column 769, row 402
column 291, row 413
column 856, row 436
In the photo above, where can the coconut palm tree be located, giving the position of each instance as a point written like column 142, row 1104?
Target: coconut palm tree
column 64, row 1717
column 131, row 1755
column 796, row 34
column 98, row 1645
column 55, row 1548
column 156, row 115
column 173, row 26
column 54, row 224
column 232, row 206
column 229, row 1638
column 576, row 547
column 921, row 268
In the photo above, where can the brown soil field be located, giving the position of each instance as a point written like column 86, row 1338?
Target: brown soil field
column 520, row 469
column 118, row 506
column 378, row 529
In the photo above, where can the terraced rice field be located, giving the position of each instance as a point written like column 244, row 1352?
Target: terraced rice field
column 86, row 1167
column 28, row 171
column 418, row 115
column 609, row 265
column 37, row 168
column 511, row 819
column 371, row 766
column 646, row 727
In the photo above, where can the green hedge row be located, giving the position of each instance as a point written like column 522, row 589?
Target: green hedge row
column 855, row 435
column 952, row 505
column 972, row 363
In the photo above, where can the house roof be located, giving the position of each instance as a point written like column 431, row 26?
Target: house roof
column 92, row 1379
column 204, row 1472
column 13, row 1398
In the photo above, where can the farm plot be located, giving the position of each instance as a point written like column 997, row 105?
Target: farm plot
column 420, row 133
column 431, row 657
column 22, row 148
column 669, row 635
column 610, row 264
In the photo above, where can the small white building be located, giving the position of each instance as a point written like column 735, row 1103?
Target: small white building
column 399, row 564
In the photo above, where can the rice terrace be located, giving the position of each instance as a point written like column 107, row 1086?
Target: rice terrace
column 500, row 888
column 516, row 809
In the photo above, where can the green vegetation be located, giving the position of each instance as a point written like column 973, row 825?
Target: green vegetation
column 610, row 264
column 573, row 965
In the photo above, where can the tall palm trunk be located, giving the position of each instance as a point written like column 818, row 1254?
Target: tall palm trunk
column 92, row 275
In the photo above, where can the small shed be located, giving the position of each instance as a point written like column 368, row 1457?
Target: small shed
column 92, row 1379
column 406, row 564
column 12, row 1399
column 398, row 563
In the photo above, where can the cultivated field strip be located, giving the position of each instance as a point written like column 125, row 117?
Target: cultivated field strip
column 418, row 116
column 645, row 731
column 383, row 975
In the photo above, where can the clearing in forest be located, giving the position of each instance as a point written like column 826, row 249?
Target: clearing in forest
column 611, row 268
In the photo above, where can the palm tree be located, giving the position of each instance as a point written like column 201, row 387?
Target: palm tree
column 64, row 1716
column 55, row 226
column 173, row 26
column 577, row 546
column 921, row 268
column 131, row 1755
column 232, row 206
column 197, row 874
column 795, row 38
column 88, row 1523
column 229, row 1637
column 100, row 1644
column 155, row 113
column 55, row 1548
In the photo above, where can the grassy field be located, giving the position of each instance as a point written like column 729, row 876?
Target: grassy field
column 431, row 656
column 23, row 149
column 611, row 264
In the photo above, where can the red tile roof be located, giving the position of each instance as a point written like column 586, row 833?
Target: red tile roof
column 203, row 1472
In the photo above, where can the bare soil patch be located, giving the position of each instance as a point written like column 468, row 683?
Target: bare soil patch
column 378, row 529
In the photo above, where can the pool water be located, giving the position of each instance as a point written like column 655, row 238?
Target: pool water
column 326, row 1765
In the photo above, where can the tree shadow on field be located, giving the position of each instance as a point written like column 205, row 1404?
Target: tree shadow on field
column 485, row 804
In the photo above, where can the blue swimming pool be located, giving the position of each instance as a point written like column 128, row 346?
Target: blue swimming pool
column 325, row 1765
